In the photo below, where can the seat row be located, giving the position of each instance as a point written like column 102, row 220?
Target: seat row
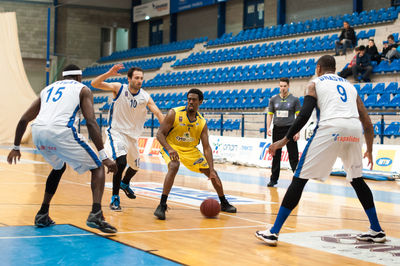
column 227, row 125
column 293, row 69
column 391, row 130
column 378, row 88
column 315, row 25
column 100, row 99
column 382, row 101
column 154, row 50
column 279, row 48
column 148, row 64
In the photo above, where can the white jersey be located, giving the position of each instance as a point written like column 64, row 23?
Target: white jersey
column 337, row 98
column 60, row 101
column 128, row 111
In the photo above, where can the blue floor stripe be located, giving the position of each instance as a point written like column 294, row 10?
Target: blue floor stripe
column 88, row 249
column 383, row 196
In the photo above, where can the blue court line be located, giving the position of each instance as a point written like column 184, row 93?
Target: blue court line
column 344, row 191
column 68, row 245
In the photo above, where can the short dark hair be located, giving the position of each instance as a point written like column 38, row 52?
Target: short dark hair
column 133, row 69
column 198, row 92
column 71, row 67
column 357, row 48
column 361, row 48
column 327, row 63
column 391, row 37
column 346, row 22
column 284, row 80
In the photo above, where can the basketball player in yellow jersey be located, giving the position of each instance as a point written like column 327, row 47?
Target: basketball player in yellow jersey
column 179, row 134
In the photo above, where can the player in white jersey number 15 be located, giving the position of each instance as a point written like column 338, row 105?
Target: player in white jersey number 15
column 126, row 119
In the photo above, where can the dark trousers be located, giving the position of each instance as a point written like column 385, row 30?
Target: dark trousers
column 277, row 134
column 357, row 70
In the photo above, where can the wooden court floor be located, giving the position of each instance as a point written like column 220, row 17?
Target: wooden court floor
column 319, row 231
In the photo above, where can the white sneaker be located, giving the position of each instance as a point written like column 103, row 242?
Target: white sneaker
column 371, row 235
column 268, row 237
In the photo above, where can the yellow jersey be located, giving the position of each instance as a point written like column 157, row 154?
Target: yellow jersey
column 185, row 134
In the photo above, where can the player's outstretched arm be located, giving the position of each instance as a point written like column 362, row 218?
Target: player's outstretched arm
column 28, row 116
column 98, row 82
column 155, row 110
column 162, row 133
column 368, row 130
column 86, row 98
column 207, row 148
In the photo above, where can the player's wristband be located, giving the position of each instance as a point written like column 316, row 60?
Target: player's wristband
column 103, row 155
column 17, row 148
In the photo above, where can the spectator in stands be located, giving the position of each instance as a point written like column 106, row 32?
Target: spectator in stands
column 363, row 65
column 373, row 51
column 392, row 52
column 348, row 70
column 346, row 40
column 282, row 107
column 385, row 49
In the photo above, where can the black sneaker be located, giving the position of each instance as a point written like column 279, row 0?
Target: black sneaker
column 96, row 220
column 371, row 235
column 128, row 191
column 115, row 203
column 160, row 211
column 268, row 237
column 272, row 183
column 226, row 207
column 43, row 220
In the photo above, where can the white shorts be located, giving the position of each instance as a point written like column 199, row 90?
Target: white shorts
column 331, row 139
column 119, row 144
column 60, row 145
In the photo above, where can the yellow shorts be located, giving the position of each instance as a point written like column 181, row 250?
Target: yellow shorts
column 193, row 159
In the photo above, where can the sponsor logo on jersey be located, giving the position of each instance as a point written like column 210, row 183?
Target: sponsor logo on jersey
column 180, row 119
column 384, row 161
column 198, row 161
column 336, row 137
column 185, row 138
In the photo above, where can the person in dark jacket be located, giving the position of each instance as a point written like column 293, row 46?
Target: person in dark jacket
column 373, row 51
column 392, row 52
column 347, row 39
column 363, row 64
column 348, row 70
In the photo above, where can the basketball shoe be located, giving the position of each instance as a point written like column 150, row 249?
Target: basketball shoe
column 128, row 191
column 43, row 220
column 268, row 237
column 160, row 211
column 371, row 235
column 226, row 207
column 115, row 203
column 96, row 220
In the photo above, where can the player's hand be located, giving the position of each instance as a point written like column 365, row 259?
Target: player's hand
column 368, row 155
column 13, row 156
column 173, row 154
column 277, row 145
column 296, row 137
column 269, row 132
column 111, row 165
column 114, row 70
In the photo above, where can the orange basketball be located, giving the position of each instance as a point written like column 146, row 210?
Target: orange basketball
column 210, row 208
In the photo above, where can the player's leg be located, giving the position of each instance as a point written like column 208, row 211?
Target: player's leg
column 42, row 218
column 277, row 134
column 352, row 163
column 96, row 218
column 173, row 167
column 217, row 184
column 290, row 201
column 364, row 194
column 133, row 159
column 115, row 204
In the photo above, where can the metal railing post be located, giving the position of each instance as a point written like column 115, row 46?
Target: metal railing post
column 242, row 125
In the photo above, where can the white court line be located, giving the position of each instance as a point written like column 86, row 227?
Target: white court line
column 154, row 199
column 136, row 232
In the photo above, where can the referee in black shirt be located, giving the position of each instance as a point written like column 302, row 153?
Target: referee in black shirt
column 282, row 108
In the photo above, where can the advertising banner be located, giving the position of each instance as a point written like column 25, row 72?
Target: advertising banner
column 181, row 5
column 154, row 9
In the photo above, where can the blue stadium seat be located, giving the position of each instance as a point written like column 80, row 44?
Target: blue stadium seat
column 392, row 130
